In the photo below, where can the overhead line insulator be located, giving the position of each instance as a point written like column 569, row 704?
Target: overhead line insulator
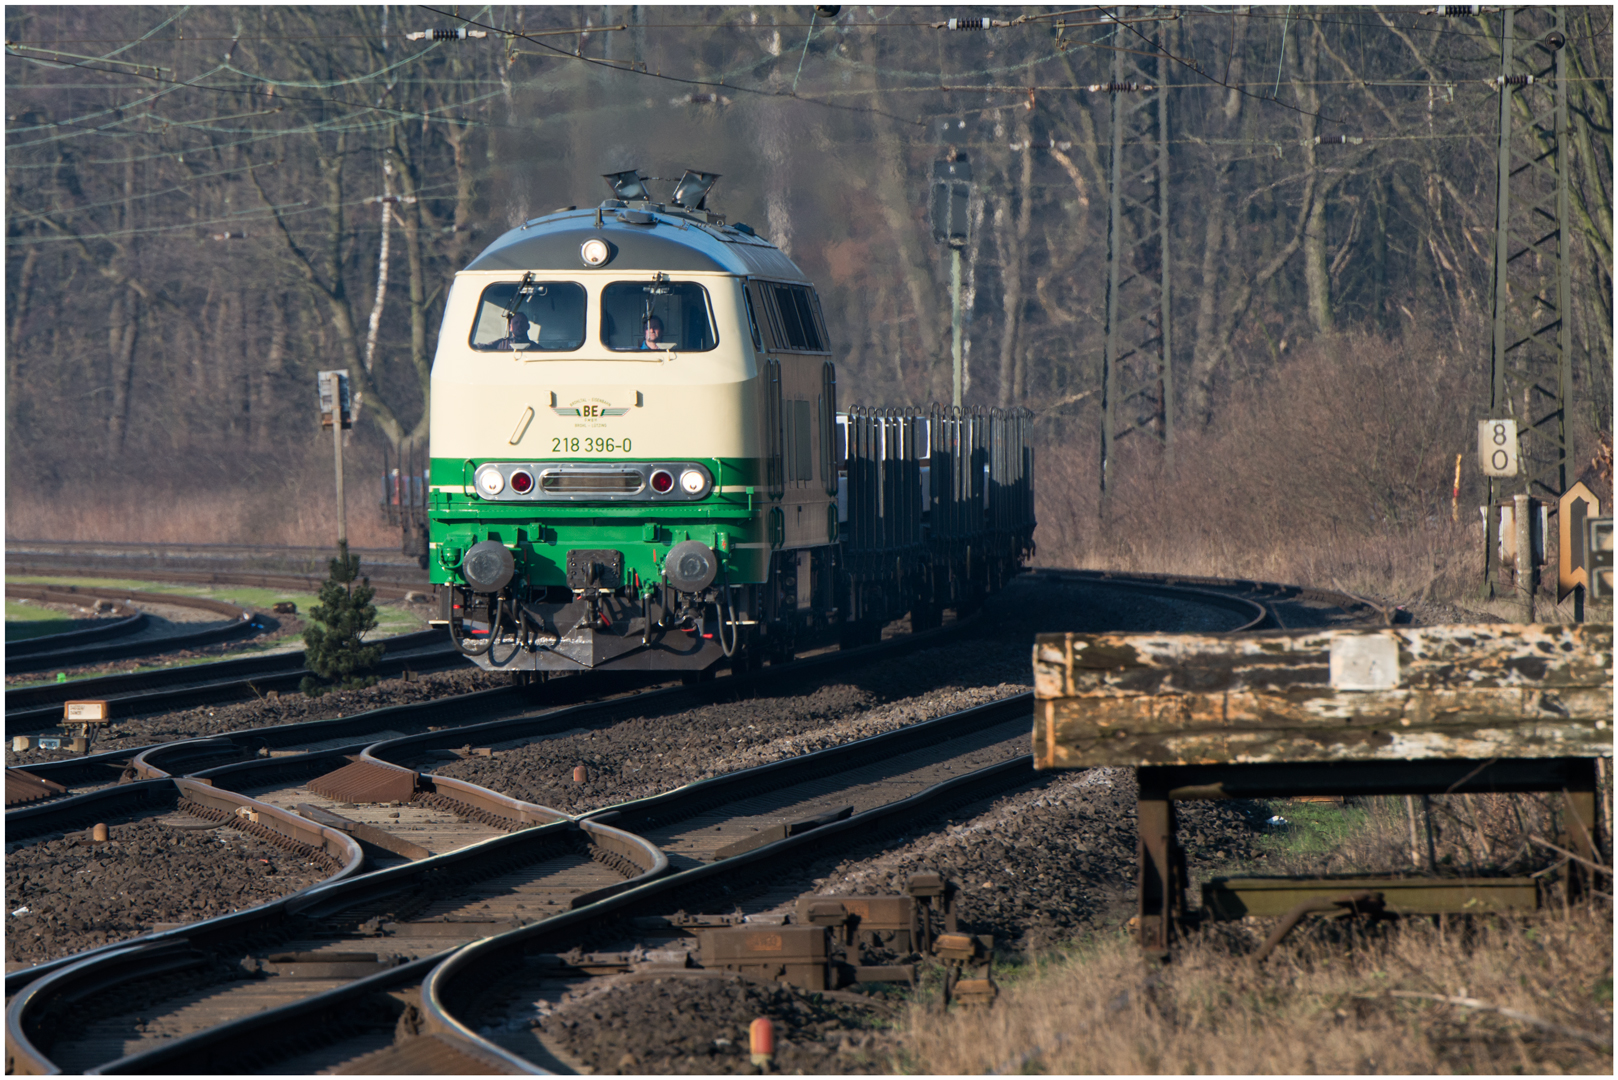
column 1117, row 87
column 970, row 23
column 446, row 35
column 1338, row 140
column 1042, row 144
column 1511, row 80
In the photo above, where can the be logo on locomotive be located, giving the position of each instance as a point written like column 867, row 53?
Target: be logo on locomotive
column 639, row 462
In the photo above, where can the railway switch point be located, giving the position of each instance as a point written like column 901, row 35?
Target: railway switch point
column 761, row 1040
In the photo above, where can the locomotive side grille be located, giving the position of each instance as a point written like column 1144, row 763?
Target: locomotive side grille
column 592, row 482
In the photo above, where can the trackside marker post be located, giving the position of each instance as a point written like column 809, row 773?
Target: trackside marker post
column 761, row 1037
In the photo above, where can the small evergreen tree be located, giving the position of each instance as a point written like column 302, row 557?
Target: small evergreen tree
column 332, row 646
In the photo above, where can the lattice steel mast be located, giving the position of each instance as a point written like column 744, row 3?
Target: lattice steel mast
column 1137, row 374
column 1531, row 358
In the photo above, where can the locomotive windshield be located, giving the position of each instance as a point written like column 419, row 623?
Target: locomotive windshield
column 660, row 314
column 546, row 316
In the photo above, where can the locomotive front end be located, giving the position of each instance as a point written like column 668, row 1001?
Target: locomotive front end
column 596, row 457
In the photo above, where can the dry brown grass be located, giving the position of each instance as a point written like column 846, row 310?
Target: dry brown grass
column 1336, row 473
column 1314, row 1007
column 296, row 511
column 1338, row 997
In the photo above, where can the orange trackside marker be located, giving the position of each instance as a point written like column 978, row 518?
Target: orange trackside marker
column 1455, row 493
column 762, row 1038
column 579, row 774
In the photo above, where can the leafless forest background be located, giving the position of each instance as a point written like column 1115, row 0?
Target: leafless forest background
column 193, row 230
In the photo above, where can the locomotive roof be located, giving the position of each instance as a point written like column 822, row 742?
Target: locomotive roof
column 644, row 237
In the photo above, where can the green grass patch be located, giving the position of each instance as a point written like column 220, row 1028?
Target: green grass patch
column 1313, row 828
column 392, row 617
column 27, row 621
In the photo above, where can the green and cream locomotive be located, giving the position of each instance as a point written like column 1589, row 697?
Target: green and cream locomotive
column 638, row 462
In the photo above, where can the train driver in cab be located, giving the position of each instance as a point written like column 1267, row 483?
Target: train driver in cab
column 516, row 334
column 654, row 334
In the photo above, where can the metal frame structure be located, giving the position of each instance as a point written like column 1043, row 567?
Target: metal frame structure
column 1531, row 359
column 1137, row 375
column 1163, row 912
column 1361, row 712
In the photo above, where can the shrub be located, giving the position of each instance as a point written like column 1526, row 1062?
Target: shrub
column 332, row 646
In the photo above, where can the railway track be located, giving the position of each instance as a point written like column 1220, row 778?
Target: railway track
column 282, row 569
column 420, row 909
column 36, row 708
column 91, row 645
column 692, row 826
column 394, row 576
column 402, row 736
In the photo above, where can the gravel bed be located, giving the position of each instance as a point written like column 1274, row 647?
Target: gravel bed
column 288, row 709
column 1036, row 868
column 672, row 744
column 699, row 1027
column 1040, row 866
column 66, row 895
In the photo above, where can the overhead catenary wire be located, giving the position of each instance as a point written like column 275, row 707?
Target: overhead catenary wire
column 723, row 81
column 352, row 124
column 1197, row 69
column 709, row 83
column 302, row 206
column 409, row 114
column 846, row 21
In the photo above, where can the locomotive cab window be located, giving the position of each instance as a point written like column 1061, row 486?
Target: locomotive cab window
column 641, row 316
column 791, row 314
column 540, row 316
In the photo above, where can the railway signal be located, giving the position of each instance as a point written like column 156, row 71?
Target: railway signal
column 336, row 412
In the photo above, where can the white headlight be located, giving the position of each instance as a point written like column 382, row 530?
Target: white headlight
column 594, row 252
column 692, row 482
column 489, row 481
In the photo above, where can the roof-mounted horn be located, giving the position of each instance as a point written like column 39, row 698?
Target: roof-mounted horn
column 691, row 192
column 627, row 185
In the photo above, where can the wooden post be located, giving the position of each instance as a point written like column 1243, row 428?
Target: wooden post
column 1415, row 843
column 337, row 446
column 1160, row 888
column 1579, row 832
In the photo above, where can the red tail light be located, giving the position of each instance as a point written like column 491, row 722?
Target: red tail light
column 662, row 482
column 522, row 483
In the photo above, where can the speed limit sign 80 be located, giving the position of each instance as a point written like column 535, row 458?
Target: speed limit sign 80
column 1497, row 447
